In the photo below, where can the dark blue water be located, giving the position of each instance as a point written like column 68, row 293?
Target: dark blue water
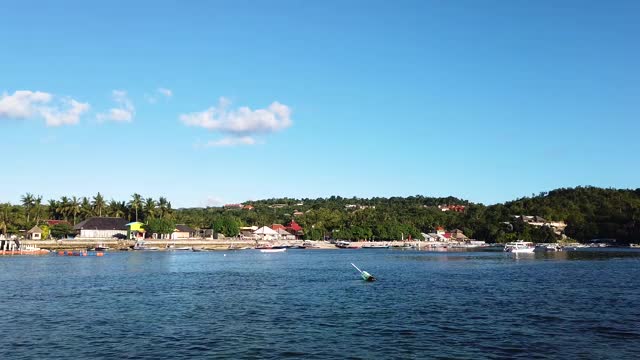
column 312, row 304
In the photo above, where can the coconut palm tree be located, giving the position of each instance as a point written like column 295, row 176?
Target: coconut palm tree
column 163, row 206
column 5, row 210
column 27, row 201
column 98, row 204
column 136, row 203
column 74, row 208
column 53, row 209
column 86, row 210
column 149, row 208
column 37, row 205
column 63, row 207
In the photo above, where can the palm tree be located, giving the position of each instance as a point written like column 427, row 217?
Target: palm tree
column 37, row 204
column 86, row 210
column 136, row 202
column 162, row 206
column 98, row 204
column 4, row 217
column 149, row 208
column 53, row 209
column 74, row 208
column 63, row 207
column 27, row 201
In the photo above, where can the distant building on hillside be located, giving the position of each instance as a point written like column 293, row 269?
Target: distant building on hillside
column 454, row 208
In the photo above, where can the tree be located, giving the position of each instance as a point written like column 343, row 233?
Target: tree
column 149, row 207
column 163, row 206
column 64, row 208
column 5, row 217
column 160, row 226
column 61, row 230
column 74, row 208
column 98, row 204
column 135, row 203
column 28, row 202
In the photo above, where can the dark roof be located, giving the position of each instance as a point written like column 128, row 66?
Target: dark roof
column 102, row 223
column 184, row 228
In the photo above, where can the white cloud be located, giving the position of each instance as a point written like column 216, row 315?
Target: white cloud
column 166, row 92
column 123, row 113
column 71, row 116
column 231, row 141
column 25, row 104
column 162, row 92
column 240, row 121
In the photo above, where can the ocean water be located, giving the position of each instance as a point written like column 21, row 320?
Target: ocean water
column 312, row 304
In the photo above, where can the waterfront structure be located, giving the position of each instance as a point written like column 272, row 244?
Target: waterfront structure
column 183, row 231
column 266, row 233
column 135, row 230
column 35, row 233
column 285, row 235
column 102, row 227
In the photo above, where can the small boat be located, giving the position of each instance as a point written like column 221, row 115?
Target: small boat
column 194, row 249
column 520, row 247
column 101, row 247
column 140, row 245
column 365, row 275
column 273, row 250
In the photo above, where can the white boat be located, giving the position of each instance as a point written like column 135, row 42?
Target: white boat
column 140, row 245
column 520, row 247
column 273, row 250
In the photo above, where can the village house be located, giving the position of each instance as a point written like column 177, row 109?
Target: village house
column 35, row 233
column 285, row 235
column 183, row 231
column 295, row 229
column 102, row 227
column 454, row 208
column 248, row 207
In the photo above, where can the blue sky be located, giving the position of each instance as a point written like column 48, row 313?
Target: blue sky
column 210, row 102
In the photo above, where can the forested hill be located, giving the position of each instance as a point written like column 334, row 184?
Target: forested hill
column 589, row 213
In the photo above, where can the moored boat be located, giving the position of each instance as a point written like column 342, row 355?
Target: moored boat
column 273, row 250
column 519, row 247
column 141, row 246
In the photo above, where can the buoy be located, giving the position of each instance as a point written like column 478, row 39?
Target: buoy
column 365, row 275
column 99, row 254
column 61, row 253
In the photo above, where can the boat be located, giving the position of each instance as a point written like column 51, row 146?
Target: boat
column 140, row 245
column 634, row 245
column 520, row 247
column 195, row 249
column 273, row 250
column 347, row 245
column 101, row 247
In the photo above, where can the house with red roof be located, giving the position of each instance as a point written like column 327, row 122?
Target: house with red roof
column 295, row 229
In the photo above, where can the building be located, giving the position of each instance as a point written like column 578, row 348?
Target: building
column 454, row 208
column 277, row 227
column 266, row 233
column 285, row 235
column 183, row 231
column 35, row 233
column 295, row 229
column 298, row 213
column 135, row 230
column 248, row 207
column 102, row 227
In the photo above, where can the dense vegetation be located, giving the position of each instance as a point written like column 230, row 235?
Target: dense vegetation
column 588, row 211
